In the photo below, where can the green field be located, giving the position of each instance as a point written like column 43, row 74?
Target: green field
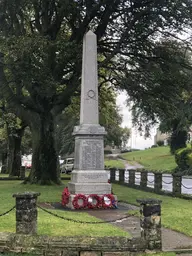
column 153, row 159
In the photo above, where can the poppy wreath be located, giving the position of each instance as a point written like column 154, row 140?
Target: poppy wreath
column 65, row 196
column 98, row 204
column 75, row 203
column 111, row 198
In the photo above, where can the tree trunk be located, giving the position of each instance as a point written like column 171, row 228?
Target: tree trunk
column 4, row 158
column 45, row 169
column 14, row 152
column 4, row 162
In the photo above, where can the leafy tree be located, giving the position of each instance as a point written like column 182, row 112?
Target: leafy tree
column 15, row 130
column 108, row 115
column 3, row 148
column 14, row 142
column 125, row 136
column 41, row 43
column 178, row 131
column 163, row 83
column 26, row 144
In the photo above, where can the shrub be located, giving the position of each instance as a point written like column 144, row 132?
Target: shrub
column 183, row 158
column 178, row 140
column 160, row 143
column 126, row 150
column 154, row 146
column 107, row 152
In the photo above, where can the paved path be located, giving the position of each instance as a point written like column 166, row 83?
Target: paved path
column 171, row 240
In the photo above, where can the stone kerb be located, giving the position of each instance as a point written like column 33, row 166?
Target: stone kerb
column 26, row 212
column 150, row 219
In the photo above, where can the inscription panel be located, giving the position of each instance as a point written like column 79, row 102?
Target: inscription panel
column 89, row 176
column 92, row 155
column 77, row 150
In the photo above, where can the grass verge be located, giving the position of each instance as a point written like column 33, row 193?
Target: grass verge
column 47, row 224
column 116, row 163
column 176, row 212
column 153, row 159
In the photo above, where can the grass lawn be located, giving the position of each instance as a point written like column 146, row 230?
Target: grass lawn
column 153, row 159
column 5, row 175
column 47, row 224
column 176, row 212
column 118, row 163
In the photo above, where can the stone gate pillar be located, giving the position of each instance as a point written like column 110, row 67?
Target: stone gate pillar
column 26, row 212
column 150, row 210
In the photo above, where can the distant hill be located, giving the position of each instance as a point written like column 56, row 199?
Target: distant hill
column 152, row 159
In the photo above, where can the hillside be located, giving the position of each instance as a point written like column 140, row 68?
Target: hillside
column 152, row 159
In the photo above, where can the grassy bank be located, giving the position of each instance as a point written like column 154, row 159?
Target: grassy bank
column 176, row 212
column 153, row 159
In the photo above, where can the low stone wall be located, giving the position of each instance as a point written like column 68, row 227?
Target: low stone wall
column 71, row 246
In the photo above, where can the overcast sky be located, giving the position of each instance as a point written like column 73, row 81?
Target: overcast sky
column 136, row 140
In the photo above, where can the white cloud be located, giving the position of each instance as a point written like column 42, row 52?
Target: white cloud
column 136, row 141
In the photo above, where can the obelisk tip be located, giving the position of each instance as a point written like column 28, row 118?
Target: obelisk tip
column 90, row 33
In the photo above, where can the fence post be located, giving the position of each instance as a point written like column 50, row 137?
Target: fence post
column 143, row 182
column 150, row 219
column 157, row 182
column 112, row 174
column 22, row 172
column 26, row 212
column 121, row 175
column 131, row 177
column 177, row 180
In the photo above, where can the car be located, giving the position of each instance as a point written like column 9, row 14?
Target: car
column 67, row 165
column 27, row 161
column 28, row 165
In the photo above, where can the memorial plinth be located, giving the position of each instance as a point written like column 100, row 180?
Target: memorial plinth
column 89, row 176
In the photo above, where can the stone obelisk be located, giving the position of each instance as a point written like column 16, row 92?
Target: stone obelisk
column 89, row 176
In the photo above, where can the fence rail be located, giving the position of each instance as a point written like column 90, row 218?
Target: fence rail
column 175, row 184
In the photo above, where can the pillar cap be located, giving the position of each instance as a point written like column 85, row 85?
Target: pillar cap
column 149, row 201
column 177, row 174
column 26, row 194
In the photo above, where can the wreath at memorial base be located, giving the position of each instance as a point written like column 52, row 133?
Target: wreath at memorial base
column 110, row 202
column 76, row 199
column 65, row 196
column 98, row 203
